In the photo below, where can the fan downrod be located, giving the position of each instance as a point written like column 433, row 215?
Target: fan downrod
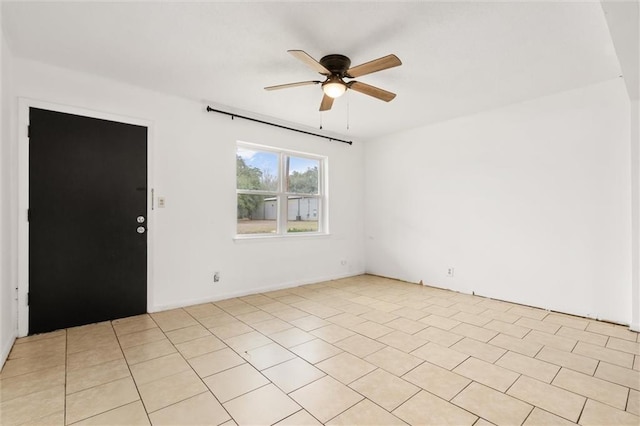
column 337, row 64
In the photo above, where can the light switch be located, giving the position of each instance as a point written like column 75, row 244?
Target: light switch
column 161, row 202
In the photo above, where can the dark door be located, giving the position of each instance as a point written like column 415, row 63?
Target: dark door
column 87, row 220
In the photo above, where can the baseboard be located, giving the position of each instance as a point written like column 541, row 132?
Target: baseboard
column 633, row 327
column 232, row 294
column 6, row 348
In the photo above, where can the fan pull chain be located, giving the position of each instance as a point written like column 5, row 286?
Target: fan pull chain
column 320, row 121
column 348, row 103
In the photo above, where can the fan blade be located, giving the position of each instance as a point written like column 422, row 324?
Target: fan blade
column 326, row 104
column 308, row 59
column 376, row 65
column 286, row 86
column 367, row 89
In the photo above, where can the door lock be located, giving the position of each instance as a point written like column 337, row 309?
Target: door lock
column 140, row 229
column 140, row 219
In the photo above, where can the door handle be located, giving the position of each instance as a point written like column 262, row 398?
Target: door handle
column 140, row 229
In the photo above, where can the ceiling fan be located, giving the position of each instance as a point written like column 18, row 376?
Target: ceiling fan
column 336, row 68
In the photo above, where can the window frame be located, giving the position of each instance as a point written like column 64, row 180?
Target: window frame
column 282, row 193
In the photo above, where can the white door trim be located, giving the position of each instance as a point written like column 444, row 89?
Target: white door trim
column 23, row 195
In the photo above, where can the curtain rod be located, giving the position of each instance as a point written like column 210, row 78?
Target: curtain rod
column 209, row 109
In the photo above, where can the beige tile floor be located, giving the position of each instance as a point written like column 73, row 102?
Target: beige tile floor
column 357, row 351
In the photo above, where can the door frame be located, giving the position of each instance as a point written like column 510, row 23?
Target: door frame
column 23, row 195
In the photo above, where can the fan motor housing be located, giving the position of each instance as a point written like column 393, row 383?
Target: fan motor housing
column 337, row 64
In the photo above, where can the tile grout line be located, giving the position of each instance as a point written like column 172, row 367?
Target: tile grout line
column 556, row 375
column 626, row 403
column 529, row 414
column 92, row 387
column 144, row 407
column 582, row 410
column 453, row 397
column 195, row 372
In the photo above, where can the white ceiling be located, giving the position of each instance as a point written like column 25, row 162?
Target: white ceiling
column 458, row 57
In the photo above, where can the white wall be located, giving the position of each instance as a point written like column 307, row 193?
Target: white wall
column 7, row 283
column 194, row 168
column 529, row 203
column 623, row 20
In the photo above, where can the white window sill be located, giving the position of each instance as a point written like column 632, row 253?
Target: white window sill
column 266, row 237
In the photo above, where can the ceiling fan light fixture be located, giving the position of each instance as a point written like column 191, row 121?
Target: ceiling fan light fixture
column 334, row 87
column 335, row 68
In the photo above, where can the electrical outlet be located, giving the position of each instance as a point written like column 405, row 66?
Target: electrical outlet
column 216, row 277
column 450, row 271
column 161, row 202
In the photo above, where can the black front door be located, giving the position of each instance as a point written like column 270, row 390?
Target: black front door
column 87, row 220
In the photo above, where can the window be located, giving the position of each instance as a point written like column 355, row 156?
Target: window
column 279, row 192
